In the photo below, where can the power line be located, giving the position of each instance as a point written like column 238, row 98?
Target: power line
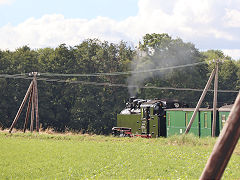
column 102, row 74
column 17, row 76
column 11, row 75
column 130, row 86
column 25, row 76
column 121, row 73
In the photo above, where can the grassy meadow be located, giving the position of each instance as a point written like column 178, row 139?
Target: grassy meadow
column 69, row 156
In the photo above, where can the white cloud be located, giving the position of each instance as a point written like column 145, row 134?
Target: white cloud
column 52, row 30
column 232, row 18
column 234, row 53
column 4, row 2
column 209, row 24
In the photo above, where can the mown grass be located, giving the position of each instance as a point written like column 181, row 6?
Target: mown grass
column 59, row 156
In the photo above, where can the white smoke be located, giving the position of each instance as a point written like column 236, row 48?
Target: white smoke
column 174, row 54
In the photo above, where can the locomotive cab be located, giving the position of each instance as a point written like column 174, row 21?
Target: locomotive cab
column 153, row 119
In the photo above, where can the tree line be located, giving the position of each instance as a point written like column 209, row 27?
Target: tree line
column 90, row 108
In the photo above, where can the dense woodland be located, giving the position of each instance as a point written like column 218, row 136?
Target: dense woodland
column 92, row 108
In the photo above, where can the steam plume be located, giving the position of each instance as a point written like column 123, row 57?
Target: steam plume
column 177, row 53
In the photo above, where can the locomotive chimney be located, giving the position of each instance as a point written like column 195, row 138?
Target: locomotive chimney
column 131, row 99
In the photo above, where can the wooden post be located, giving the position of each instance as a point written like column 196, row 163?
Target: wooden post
column 28, row 111
column 200, row 101
column 215, row 102
column 36, row 101
column 225, row 145
column 32, row 111
column 21, row 107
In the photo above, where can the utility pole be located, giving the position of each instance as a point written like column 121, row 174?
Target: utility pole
column 200, row 100
column 33, row 101
column 36, row 99
column 28, row 111
column 21, row 107
column 215, row 100
column 224, row 146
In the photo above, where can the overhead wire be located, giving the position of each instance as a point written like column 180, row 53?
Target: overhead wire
column 25, row 76
column 105, row 74
column 129, row 86
column 120, row 73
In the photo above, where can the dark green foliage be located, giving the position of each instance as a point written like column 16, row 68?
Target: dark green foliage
column 91, row 108
column 227, row 74
column 85, row 108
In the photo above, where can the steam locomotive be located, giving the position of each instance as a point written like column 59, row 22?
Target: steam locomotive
column 145, row 118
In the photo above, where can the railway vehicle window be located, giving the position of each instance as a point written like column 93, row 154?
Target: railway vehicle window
column 168, row 119
column 156, row 110
column 223, row 120
column 205, row 120
column 145, row 112
column 186, row 119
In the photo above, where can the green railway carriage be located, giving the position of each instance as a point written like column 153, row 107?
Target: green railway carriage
column 178, row 119
column 205, row 121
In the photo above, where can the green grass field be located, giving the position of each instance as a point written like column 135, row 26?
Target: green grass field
column 44, row 156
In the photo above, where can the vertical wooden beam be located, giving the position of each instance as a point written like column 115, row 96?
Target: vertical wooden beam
column 224, row 146
column 215, row 102
column 28, row 111
column 36, row 101
column 21, row 107
column 200, row 101
column 32, row 111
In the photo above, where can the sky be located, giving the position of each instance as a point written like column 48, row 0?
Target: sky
column 208, row 24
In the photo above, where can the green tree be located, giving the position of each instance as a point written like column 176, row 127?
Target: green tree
column 96, row 107
column 228, row 75
column 162, row 51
